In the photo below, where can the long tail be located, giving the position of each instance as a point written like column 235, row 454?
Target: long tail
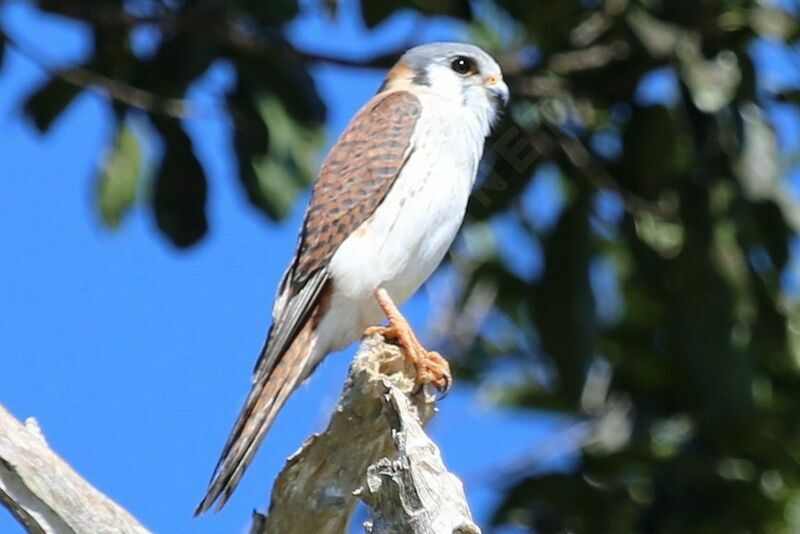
column 266, row 398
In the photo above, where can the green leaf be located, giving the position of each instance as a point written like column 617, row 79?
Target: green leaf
column 563, row 302
column 773, row 230
column 277, row 155
column 655, row 154
column 180, row 190
column 272, row 13
column 179, row 62
column 289, row 82
column 119, row 178
column 47, row 102
column 773, row 23
column 791, row 96
column 548, row 23
column 376, row 12
column 557, row 503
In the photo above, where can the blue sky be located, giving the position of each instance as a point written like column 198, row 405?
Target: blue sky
column 134, row 357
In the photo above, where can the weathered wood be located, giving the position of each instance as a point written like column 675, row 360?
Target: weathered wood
column 45, row 494
column 413, row 492
column 319, row 487
column 314, row 491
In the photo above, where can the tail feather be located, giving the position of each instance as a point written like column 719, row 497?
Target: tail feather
column 267, row 397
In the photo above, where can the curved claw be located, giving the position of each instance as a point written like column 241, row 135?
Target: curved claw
column 442, row 391
column 431, row 367
column 448, row 384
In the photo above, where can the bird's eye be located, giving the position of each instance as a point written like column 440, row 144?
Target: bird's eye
column 463, row 65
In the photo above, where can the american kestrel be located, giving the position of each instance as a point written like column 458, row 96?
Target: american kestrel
column 384, row 210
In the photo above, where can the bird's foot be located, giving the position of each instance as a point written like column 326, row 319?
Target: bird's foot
column 431, row 367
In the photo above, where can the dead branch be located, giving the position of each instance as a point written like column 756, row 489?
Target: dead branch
column 45, row 494
column 414, row 492
column 377, row 424
column 374, row 449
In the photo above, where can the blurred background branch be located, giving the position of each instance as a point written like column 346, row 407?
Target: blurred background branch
column 629, row 265
column 116, row 90
column 44, row 493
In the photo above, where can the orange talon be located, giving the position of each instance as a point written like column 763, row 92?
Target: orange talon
column 431, row 367
column 386, row 332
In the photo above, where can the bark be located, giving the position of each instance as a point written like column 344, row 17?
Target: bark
column 45, row 494
column 375, row 440
column 414, row 493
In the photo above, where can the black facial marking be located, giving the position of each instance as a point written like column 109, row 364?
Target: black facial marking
column 421, row 77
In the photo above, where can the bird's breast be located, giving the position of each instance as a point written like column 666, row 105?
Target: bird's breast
column 404, row 241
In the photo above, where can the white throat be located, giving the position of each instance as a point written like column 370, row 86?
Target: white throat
column 467, row 100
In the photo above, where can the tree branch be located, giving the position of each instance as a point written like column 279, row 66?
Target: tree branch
column 374, row 448
column 45, row 494
column 413, row 493
column 377, row 423
column 113, row 89
column 121, row 91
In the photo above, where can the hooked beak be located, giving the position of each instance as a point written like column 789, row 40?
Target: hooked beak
column 498, row 88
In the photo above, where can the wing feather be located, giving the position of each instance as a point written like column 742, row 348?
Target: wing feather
column 356, row 176
column 288, row 322
column 353, row 181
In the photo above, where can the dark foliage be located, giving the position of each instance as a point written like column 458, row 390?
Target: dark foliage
column 660, row 326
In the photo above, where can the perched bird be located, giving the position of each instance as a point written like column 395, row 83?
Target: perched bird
column 384, row 210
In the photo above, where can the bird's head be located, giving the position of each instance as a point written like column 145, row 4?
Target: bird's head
column 459, row 72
